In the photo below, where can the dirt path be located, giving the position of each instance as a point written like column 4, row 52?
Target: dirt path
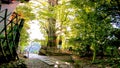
column 37, row 61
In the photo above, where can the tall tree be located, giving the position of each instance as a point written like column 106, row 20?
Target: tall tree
column 51, row 25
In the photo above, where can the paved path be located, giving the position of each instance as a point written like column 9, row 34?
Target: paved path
column 37, row 61
column 11, row 7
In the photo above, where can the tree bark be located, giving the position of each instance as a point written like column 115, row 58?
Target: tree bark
column 51, row 27
column 53, row 2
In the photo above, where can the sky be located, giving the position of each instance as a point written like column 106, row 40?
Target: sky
column 34, row 31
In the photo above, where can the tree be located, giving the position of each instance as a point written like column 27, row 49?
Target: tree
column 54, row 20
column 51, row 25
column 94, row 23
column 25, row 11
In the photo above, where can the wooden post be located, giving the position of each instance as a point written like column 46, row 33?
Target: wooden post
column 6, row 36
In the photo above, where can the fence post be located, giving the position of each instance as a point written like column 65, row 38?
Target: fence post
column 6, row 36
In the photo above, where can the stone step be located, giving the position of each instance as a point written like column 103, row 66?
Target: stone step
column 48, row 61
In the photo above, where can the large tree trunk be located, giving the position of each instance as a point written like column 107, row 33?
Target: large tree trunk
column 53, row 2
column 52, row 37
column 52, row 33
